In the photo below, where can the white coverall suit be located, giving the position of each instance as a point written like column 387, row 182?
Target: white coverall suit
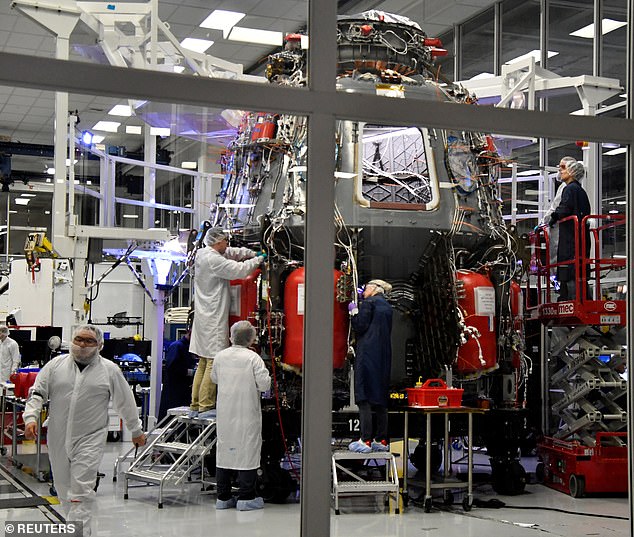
column 212, row 303
column 9, row 358
column 241, row 376
column 78, row 425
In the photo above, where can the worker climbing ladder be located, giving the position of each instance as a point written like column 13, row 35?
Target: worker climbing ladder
column 174, row 454
column 585, row 418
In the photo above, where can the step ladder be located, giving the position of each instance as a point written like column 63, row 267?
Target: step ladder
column 174, row 454
column 347, row 482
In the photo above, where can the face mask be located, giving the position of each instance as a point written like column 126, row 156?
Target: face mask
column 83, row 355
column 558, row 178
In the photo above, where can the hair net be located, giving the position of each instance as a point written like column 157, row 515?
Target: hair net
column 576, row 170
column 382, row 286
column 94, row 329
column 242, row 333
column 214, row 235
column 565, row 160
column 4, row 330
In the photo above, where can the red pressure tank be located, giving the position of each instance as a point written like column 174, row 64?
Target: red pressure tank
column 517, row 314
column 264, row 128
column 478, row 308
column 293, row 352
column 244, row 298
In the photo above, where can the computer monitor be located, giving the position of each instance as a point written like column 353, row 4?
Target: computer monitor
column 34, row 351
column 46, row 332
column 20, row 335
column 121, row 347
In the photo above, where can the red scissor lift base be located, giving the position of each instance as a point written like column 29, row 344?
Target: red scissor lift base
column 576, row 469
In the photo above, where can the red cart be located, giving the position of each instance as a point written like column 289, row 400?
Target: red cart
column 576, row 469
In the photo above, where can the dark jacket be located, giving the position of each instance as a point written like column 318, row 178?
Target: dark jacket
column 373, row 364
column 177, row 384
column 574, row 201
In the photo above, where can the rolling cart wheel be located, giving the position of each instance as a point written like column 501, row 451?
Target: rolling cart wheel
column 398, row 511
column 125, row 496
column 114, row 478
column 160, row 505
column 577, row 486
column 428, row 505
column 3, row 451
column 466, row 504
column 52, row 491
column 337, row 512
column 540, row 472
column 405, row 497
column 448, row 497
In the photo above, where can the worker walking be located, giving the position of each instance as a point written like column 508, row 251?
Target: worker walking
column 241, row 376
column 9, row 355
column 79, row 386
column 372, row 324
column 214, row 267
column 574, row 201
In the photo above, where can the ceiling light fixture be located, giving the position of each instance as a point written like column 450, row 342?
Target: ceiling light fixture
column 120, row 110
column 220, row 19
column 160, row 131
column 130, row 215
column 197, row 45
column 26, row 195
column 133, row 129
column 253, row 35
column 607, row 26
column 189, row 165
column 21, row 201
column 533, row 53
column 618, row 151
column 106, row 126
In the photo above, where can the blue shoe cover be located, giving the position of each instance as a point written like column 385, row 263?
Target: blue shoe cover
column 250, row 505
column 226, row 504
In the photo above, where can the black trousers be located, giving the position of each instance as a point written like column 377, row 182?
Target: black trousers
column 367, row 415
column 246, row 483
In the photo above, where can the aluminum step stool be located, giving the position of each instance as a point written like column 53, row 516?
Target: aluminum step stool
column 174, row 454
column 358, row 485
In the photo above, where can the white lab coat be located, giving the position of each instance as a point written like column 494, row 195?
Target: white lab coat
column 241, row 376
column 9, row 358
column 78, row 424
column 212, row 297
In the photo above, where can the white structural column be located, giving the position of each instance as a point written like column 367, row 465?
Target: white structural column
column 149, row 177
column 318, row 321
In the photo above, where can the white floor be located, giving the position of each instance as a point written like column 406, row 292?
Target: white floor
column 189, row 513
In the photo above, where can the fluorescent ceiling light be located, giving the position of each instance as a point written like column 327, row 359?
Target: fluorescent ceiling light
column 120, row 110
column 107, row 126
column 303, row 40
column 179, row 68
column 529, row 172
column 607, row 26
column 482, row 76
column 47, row 212
column 253, row 35
column 160, row 131
column 345, row 175
column 613, row 211
column 97, row 138
column 618, row 151
column 621, row 202
column 24, row 195
column 219, row 19
column 579, row 112
column 623, row 95
column 13, row 212
column 133, row 129
column 22, row 201
column 130, row 215
column 197, row 45
column 189, row 165
column 533, row 53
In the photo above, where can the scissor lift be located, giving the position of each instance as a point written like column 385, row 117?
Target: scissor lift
column 585, row 355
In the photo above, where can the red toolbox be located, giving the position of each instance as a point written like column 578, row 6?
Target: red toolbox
column 576, row 469
column 434, row 392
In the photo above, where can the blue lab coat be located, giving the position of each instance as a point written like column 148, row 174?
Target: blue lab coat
column 373, row 364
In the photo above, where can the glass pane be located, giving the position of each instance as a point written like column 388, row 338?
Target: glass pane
column 477, row 46
column 520, row 30
column 614, row 43
column 206, row 39
column 571, row 55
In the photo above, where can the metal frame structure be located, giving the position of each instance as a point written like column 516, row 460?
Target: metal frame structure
column 323, row 104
